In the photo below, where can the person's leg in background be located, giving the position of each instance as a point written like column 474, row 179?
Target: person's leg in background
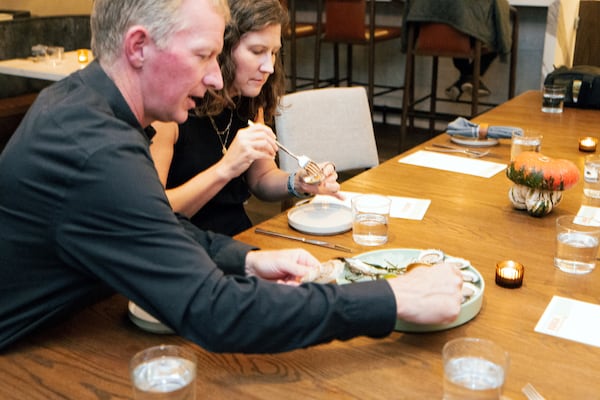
column 464, row 84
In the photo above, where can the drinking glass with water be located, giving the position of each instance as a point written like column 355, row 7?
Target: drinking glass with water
column 553, row 99
column 591, row 177
column 164, row 372
column 473, row 369
column 577, row 240
column 528, row 141
column 370, row 213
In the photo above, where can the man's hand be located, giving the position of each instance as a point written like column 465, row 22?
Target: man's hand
column 284, row 266
column 428, row 295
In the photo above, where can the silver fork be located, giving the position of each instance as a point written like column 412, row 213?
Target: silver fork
column 304, row 162
column 451, row 149
column 531, row 393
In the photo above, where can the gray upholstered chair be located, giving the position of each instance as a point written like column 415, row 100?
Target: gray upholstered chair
column 328, row 124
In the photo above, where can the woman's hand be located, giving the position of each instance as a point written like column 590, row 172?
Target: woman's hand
column 328, row 186
column 284, row 266
column 250, row 144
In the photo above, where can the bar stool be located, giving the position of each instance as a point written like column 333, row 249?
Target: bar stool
column 345, row 24
column 436, row 40
column 296, row 30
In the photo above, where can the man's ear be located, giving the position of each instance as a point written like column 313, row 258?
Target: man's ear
column 136, row 40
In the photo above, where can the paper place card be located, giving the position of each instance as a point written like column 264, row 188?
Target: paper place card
column 591, row 213
column 446, row 162
column 402, row 207
column 571, row 319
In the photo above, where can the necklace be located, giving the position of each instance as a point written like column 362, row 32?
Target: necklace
column 220, row 133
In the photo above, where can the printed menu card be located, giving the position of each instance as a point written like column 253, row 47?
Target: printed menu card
column 571, row 319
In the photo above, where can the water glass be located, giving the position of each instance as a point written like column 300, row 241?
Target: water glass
column 164, row 372
column 591, row 177
column 529, row 141
column 553, row 99
column 370, row 214
column 577, row 241
column 54, row 55
column 474, row 369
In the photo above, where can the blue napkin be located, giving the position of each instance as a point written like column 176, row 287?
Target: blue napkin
column 463, row 127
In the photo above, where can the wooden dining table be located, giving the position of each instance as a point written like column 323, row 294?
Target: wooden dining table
column 86, row 356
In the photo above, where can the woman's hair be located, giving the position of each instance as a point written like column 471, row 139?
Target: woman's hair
column 110, row 19
column 248, row 16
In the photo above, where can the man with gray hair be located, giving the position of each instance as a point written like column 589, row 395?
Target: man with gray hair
column 83, row 213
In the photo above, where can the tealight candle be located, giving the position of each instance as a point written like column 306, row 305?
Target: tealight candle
column 82, row 56
column 509, row 274
column 588, row 144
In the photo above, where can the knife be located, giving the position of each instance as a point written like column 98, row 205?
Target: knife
column 315, row 242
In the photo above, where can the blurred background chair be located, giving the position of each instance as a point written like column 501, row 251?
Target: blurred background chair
column 345, row 24
column 434, row 39
column 327, row 124
column 296, row 30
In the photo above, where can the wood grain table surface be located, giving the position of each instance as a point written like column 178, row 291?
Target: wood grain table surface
column 87, row 356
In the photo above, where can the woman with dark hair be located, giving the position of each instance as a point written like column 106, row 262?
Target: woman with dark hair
column 212, row 163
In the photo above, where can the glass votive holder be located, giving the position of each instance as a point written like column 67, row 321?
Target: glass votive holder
column 509, row 274
column 588, row 144
column 83, row 56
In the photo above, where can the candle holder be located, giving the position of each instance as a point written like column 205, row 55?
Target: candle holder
column 83, row 56
column 588, row 144
column 509, row 274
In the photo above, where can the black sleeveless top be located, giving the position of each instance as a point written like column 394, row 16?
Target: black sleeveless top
column 198, row 148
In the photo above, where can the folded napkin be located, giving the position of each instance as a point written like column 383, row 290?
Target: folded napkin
column 463, row 127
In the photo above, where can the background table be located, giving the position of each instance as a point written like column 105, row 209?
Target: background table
column 29, row 68
column 86, row 357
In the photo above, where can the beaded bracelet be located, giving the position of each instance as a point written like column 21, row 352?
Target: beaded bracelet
column 292, row 190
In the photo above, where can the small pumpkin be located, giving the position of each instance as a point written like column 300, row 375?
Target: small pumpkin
column 539, row 182
column 538, row 171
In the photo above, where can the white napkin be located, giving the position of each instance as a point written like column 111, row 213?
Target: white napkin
column 446, row 162
column 402, row 207
column 571, row 319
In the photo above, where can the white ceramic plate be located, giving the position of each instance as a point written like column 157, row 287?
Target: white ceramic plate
column 321, row 218
column 402, row 257
column 145, row 321
column 464, row 141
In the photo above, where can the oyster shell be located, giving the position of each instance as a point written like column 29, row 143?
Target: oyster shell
column 328, row 272
column 469, row 276
column 468, row 290
column 431, row 256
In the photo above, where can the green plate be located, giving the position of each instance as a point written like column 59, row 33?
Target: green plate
column 402, row 257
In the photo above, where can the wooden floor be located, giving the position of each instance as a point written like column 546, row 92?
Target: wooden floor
column 387, row 137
